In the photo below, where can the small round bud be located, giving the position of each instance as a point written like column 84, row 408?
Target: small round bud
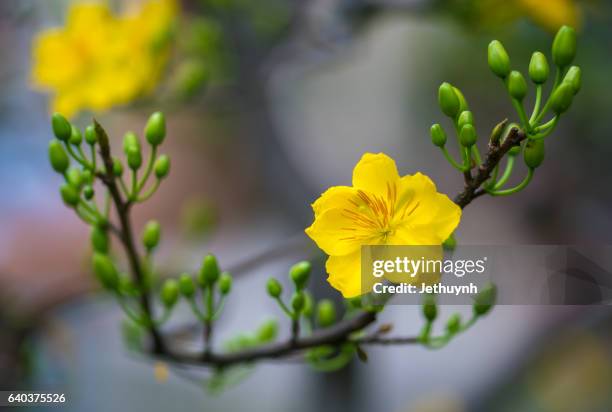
column 485, row 299
column 151, row 235
column 209, row 272
column 155, row 130
column 99, row 240
column 466, row 117
column 117, row 167
column 448, row 100
column 91, row 137
column 70, row 195
column 463, row 106
column 225, row 283
column 564, row 46
column 274, row 288
column 497, row 132
column 75, row 136
column 299, row 274
column 267, row 331
column 186, row 285
column 514, row 150
column 105, row 271
column 61, row 127
column 562, row 98
column 453, row 324
column 517, row 87
column 438, row 136
column 450, row 243
column 467, row 135
column 162, row 166
column 130, row 140
column 534, row 153
column 326, row 313
column 74, row 177
column 498, row 59
column 134, row 158
column 573, row 77
column 170, row 293
column 88, row 192
column 430, row 310
column 87, row 176
column 297, row 301
column 538, row 68
column 58, row 156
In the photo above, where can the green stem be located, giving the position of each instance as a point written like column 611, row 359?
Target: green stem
column 148, row 170
column 476, row 154
column 133, row 195
column 467, row 160
column 219, row 308
column 76, row 157
column 518, row 106
column 507, row 173
column 493, row 178
column 558, row 77
column 93, row 157
column 538, row 103
column 196, row 311
column 515, row 189
column 284, row 307
column 150, row 192
column 546, row 129
column 450, row 159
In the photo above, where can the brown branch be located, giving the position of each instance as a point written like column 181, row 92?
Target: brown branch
column 342, row 331
column 125, row 234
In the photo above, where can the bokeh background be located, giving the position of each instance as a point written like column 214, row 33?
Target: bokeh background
column 269, row 103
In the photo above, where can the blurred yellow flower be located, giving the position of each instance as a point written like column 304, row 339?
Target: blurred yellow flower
column 100, row 59
column 381, row 208
column 552, row 14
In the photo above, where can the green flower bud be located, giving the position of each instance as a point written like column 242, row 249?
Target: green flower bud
column 87, row 176
column 326, row 313
column 463, row 106
column 127, row 287
column 466, row 117
column 170, row 293
column 467, row 135
column 498, row 130
column 564, row 46
column 88, row 192
column 162, row 166
column 130, row 140
column 99, row 240
column 155, row 130
column 58, row 156
column 562, row 98
column 498, row 59
column 299, row 274
column 74, row 177
column 117, row 167
column 538, row 68
column 485, row 299
column 186, row 285
column 151, row 235
column 274, row 288
column 534, row 153
column 105, row 271
column 448, row 100
column 438, row 136
column 308, row 309
column 267, row 331
column 134, row 157
column 450, row 243
column 430, row 310
column 75, row 136
column 453, row 324
column 514, row 151
column 297, row 301
column 225, row 283
column 70, row 194
column 517, row 87
column 91, row 137
column 61, row 127
column 573, row 77
column 209, row 272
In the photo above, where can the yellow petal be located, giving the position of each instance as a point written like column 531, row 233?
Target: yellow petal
column 552, row 14
column 375, row 174
column 345, row 275
column 341, row 197
column 336, row 233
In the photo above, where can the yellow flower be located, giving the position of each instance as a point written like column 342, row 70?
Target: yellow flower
column 381, row 208
column 98, row 59
column 552, row 14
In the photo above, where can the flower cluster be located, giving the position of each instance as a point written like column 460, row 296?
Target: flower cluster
column 100, row 59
